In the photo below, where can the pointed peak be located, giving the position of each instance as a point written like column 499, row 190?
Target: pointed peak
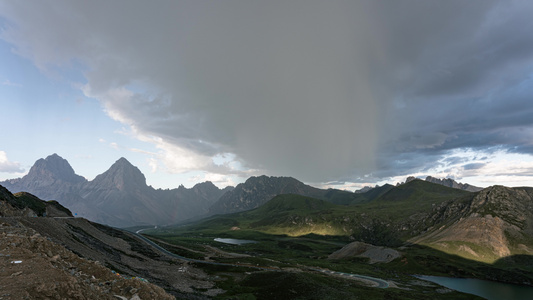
column 55, row 155
column 122, row 160
column 205, row 183
column 122, row 163
column 122, row 174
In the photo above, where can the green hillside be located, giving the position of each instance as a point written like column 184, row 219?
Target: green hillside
column 435, row 229
column 39, row 207
column 397, row 214
column 485, row 226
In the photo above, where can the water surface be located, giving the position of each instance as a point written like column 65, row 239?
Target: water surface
column 487, row 289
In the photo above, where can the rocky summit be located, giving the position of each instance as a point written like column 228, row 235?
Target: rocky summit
column 49, row 178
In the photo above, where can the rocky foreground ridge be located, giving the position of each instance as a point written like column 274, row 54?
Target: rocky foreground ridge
column 33, row 266
column 48, row 254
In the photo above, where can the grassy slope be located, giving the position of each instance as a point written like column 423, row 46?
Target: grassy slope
column 296, row 230
column 296, row 215
column 30, row 201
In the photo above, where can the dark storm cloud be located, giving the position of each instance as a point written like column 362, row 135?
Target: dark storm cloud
column 318, row 90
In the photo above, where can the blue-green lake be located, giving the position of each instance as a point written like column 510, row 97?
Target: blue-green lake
column 487, row 289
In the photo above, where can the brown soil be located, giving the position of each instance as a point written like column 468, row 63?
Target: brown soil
column 108, row 248
column 33, row 267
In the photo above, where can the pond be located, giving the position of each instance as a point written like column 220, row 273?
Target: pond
column 484, row 288
column 234, row 241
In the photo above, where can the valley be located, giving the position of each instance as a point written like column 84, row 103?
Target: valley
column 300, row 233
column 303, row 242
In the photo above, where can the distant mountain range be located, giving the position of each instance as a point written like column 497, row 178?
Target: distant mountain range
column 445, row 182
column 120, row 196
column 454, row 184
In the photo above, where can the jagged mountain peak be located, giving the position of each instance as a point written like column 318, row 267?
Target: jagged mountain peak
column 121, row 175
column 54, row 167
column 205, row 184
column 122, row 162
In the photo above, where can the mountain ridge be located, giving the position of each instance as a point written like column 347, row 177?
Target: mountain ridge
column 256, row 191
column 120, row 196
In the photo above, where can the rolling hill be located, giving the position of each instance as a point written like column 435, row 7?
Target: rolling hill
column 489, row 225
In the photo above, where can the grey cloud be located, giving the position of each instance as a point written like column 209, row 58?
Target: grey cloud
column 321, row 91
column 473, row 166
column 454, row 160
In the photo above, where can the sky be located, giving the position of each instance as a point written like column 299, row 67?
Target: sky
column 338, row 94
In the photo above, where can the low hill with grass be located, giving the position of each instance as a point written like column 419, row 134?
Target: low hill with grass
column 27, row 204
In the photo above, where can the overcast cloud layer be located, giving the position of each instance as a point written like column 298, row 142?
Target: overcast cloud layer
column 318, row 90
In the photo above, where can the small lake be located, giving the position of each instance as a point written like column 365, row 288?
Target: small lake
column 234, row 241
column 487, row 289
